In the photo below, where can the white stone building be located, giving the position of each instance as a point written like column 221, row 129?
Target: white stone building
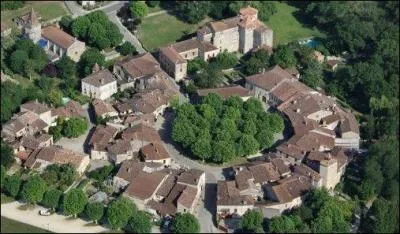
column 100, row 84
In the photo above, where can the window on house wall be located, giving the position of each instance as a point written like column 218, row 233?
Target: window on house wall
column 193, row 53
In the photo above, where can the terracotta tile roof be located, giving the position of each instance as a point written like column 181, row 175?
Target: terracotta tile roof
column 225, row 24
column 72, row 109
column 317, row 156
column 187, row 197
column 129, row 169
column 226, row 92
column 167, row 186
column 306, row 171
column 280, row 166
column 340, row 155
column 148, row 102
column 154, row 151
column 264, row 172
column 186, row 45
column 55, row 154
column 191, row 177
column 141, row 132
column 23, row 155
column 30, row 18
column 120, row 147
column 282, row 194
column 30, row 142
column 140, row 65
column 145, row 184
column 312, row 141
column 292, row 150
column 228, row 194
column 269, row 79
column 289, row 89
column 145, row 118
column 349, row 124
column 172, row 55
column 100, row 78
column 101, row 107
column 298, row 187
column 331, row 119
column 58, row 36
column 242, row 178
column 102, row 136
column 35, row 107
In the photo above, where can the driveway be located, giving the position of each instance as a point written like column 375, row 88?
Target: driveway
column 111, row 10
column 54, row 223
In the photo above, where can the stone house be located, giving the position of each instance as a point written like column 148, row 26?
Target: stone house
column 120, row 151
column 173, row 58
column 100, row 84
column 130, row 70
column 99, row 141
column 72, row 109
column 155, row 152
column 40, row 110
column 61, row 43
column 141, row 135
column 45, row 156
column 103, row 109
column 241, row 33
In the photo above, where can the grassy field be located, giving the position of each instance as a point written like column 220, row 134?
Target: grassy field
column 287, row 28
column 161, row 30
column 11, row 226
column 47, row 10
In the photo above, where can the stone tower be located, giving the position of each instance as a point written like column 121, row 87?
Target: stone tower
column 328, row 169
column 247, row 24
column 33, row 28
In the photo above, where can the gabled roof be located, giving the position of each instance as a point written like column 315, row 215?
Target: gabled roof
column 154, row 151
column 58, row 36
column 269, row 79
column 226, row 92
column 140, row 65
column 100, row 78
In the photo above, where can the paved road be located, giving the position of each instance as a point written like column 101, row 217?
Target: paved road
column 54, row 223
column 111, row 10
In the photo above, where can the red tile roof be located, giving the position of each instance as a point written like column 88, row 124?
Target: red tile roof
column 58, row 36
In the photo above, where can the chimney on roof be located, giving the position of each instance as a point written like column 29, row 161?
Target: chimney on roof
column 298, row 110
column 128, row 169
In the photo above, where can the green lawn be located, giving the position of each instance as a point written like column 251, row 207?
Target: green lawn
column 46, row 10
column 161, row 30
column 11, row 226
column 287, row 28
column 154, row 9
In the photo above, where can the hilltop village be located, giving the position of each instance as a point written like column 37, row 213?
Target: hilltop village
column 125, row 129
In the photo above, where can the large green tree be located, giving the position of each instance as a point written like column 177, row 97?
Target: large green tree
column 88, row 59
column 252, row 221
column 3, row 175
column 284, row 56
column 119, row 212
column 51, row 198
column 12, row 185
column 74, row 127
column 139, row 9
column 94, row 211
column 74, row 202
column 7, row 155
column 185, row 223
column 194, row 11
column 140, row 222
column 33, row 189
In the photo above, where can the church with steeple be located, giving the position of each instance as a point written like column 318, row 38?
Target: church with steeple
column 52, row 39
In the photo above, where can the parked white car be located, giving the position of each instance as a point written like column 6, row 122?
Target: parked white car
column 45, row 212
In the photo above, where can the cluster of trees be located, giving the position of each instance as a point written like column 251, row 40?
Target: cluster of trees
column 284, row 56
column 218, row 131
column 209, row 75
column 71, row 128
column 26, row 58
column 195, row 11
column 138, row 9
column 59, row 176
column 320, row 213
column 88, row 59
column 11, row 5
column 95, row 29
